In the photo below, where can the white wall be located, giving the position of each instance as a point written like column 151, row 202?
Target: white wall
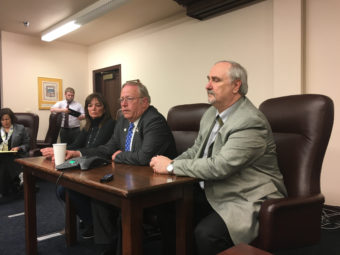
column 322, row 67
column 25, row 58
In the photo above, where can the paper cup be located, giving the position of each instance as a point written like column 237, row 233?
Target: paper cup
column 59, row 150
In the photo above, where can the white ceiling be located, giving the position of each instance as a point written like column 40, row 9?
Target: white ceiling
column 42, row 14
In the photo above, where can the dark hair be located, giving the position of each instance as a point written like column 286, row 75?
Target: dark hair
column 106, row 114
column 10, row 113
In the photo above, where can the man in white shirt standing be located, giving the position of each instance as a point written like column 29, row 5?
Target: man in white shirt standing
column 70, row 125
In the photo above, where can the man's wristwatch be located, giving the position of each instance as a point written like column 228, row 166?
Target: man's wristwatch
column 170, row 168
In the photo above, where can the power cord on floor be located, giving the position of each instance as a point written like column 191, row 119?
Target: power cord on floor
column 330, row 218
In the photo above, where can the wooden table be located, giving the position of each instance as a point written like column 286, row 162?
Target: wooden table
column 244, row 249
column 133, row 189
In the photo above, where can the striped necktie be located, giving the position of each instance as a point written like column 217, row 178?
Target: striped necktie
column 128, row 137
column 220, row 122
column 66, row 116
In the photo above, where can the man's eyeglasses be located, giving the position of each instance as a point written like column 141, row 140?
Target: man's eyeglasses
column 127, row 99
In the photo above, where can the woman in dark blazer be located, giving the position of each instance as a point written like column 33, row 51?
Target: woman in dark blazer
column 98, row 130
column 14, row 142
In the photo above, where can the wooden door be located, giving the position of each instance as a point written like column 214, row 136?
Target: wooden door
column 107, row 81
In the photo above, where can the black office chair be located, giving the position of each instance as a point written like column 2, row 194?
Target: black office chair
column 52, row 132
column 31, row 123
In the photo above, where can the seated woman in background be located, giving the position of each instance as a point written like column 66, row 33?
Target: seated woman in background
column 13, row 138
column 98, row 130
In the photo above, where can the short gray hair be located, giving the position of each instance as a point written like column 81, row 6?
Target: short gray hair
column 143, row 91
column 237, row 72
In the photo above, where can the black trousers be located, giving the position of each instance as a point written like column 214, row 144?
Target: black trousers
column 9, row 174
column 81, row 203
column 211, row 233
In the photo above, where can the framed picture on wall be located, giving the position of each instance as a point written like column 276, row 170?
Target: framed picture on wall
column 49, row 92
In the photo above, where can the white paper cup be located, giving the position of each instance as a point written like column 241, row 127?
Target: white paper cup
column 59, row 150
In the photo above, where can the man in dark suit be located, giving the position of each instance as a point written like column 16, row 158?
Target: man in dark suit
column 150, row 132
column 141, row 133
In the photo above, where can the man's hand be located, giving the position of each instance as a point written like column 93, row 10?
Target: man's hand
column 15, row 149
column 72, row 154
column 115, row 154
column 47, row 152
column 159, row 164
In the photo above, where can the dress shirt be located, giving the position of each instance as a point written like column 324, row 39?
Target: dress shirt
column 73, row 122
column 224, row 116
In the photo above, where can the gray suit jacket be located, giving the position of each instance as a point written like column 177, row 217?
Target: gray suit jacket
column 152, row 137
column 20, row 138
column 242, row 171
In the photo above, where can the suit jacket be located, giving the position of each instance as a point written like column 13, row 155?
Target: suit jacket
column 242, row 171
column 19, row 138
column 152, row 137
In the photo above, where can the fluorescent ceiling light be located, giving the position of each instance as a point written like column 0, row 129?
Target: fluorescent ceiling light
column 86, row 15
column 60, row 31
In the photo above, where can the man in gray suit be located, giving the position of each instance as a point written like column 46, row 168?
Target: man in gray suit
column 235, row 156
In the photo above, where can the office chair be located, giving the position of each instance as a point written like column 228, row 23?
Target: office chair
column 302, row 126
column 52, row 132
column 31, row 123
column 184, row 122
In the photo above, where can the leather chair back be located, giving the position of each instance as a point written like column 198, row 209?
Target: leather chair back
column 52, row 132
column 302, row 126
column 31, row 123
column 184, row 122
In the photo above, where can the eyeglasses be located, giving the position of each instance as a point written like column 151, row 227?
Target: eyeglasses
column 127, row 99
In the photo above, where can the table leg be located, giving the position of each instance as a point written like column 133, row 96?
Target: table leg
column 132, row 220
column 70, row 222
column 184, row 222
column 30, row 213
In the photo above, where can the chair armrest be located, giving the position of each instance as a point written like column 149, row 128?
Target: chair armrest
column 42, row 144
column 35, row 152
column 284, row 222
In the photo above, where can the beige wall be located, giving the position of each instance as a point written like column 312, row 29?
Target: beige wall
column 173, row 57
column 25, row 58
column 322, row 67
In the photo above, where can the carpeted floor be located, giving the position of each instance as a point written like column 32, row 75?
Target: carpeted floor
column 50, row 219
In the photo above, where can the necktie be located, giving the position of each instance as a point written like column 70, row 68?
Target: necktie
column 220, row 121
column 66, row 117
column 128, row 137
column 220, row 124
column 211, row 140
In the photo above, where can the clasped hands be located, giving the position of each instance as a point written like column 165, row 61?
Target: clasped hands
column 159, row 164
column 48, row 152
